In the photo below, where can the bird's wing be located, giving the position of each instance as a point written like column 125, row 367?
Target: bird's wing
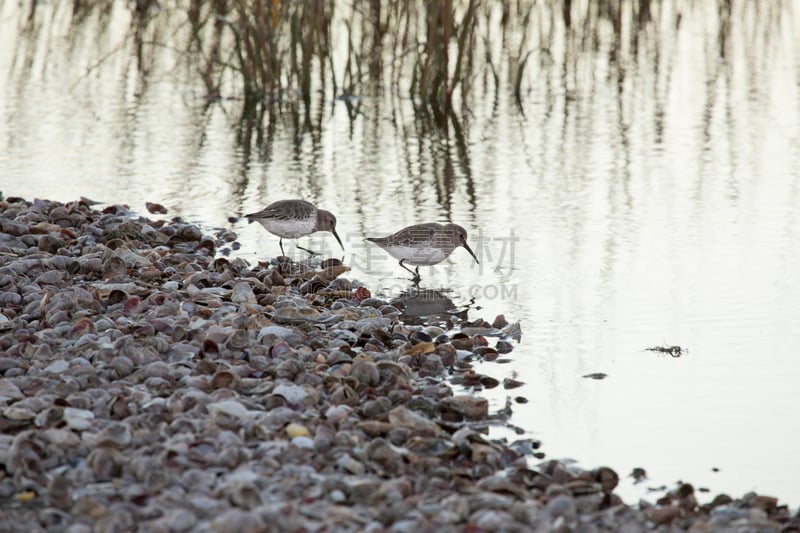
column 286, row 210
column 412, row 236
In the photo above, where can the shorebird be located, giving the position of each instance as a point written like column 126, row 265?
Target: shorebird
column 292, row 219
column 424, row 244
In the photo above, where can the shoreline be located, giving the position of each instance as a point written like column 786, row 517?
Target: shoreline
column 150, row 383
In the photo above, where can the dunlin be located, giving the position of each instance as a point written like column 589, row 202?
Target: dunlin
column 424, row 244
column 292, row 219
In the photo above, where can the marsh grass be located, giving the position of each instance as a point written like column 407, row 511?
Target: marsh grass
column 443, row 55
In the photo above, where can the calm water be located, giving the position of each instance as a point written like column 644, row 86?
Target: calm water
column 631, row 203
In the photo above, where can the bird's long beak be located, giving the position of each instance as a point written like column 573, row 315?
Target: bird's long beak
column 467, row 248
column 338, row 239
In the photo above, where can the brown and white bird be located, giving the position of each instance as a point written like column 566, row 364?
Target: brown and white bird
column 292, row 219
column 424, row 244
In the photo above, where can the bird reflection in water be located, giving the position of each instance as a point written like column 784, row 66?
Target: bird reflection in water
column 420, row 306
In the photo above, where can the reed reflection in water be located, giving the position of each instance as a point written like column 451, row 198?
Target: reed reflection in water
column 627, row 173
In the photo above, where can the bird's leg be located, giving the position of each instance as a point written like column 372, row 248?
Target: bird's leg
column 416, row 277
column 280, row 242
column 312, row 252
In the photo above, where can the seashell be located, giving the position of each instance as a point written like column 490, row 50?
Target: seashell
column 243, row 293
column 115, row 435
column 155, row 208
column 512, row 330
column 206, row 245
column 8, row 389
column 479, row 340
column 338, row 357
column 223, row 379
column 421, row 348
column 280, row 349
column 312, row 286
column 228, row 413
column 176, row 519
column 501, row 484
column 150, row 273
column 461, row 341
column 664, row 515
column 296, row 430
column 418, row 336
column 189, row 232
column 113, row 266
column 404, row 417
column 486, row 352
column 276, row 278
column 56, row 367
column 244, row 494
column 491, row 516
column 82, row 326
column 348, row 336
column 290, row 315
column 293, row 394
column 340, row 284
column 18, row 413
column 50, row 244
column 238, row 340
column 289, row 369
column 335, row 414
column 374, row 345
column 431, row 365
column 34, row 403
column 330, row 271
column 365, row 371
column 344, row 394
column 115, row 518
column 607, row 478
column 189, row 307
column 8, row 298
column 500, row 322
column 511, row 383
column 323, row 438
column 374, row 303
column 375, row 428
column 504, row 347
column 470, row 407
column 238, row 520
column 210, row 347
column 361, row 294
column 383, row 454
column 105, row 463
column 59, row 492
column 435, row 332
column 349, row 464
column 90, row 264
column 392, row 372
column 78, row 419
column 376, row 408
column 429, row 446
column 51, row 277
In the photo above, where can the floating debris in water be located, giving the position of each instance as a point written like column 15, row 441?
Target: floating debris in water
column 156, row 209
column 511, row 383
column 596, row 375
column 638, row 474
column 674, row 351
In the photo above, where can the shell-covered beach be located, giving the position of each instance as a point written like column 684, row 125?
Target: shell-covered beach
column 150, row 383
